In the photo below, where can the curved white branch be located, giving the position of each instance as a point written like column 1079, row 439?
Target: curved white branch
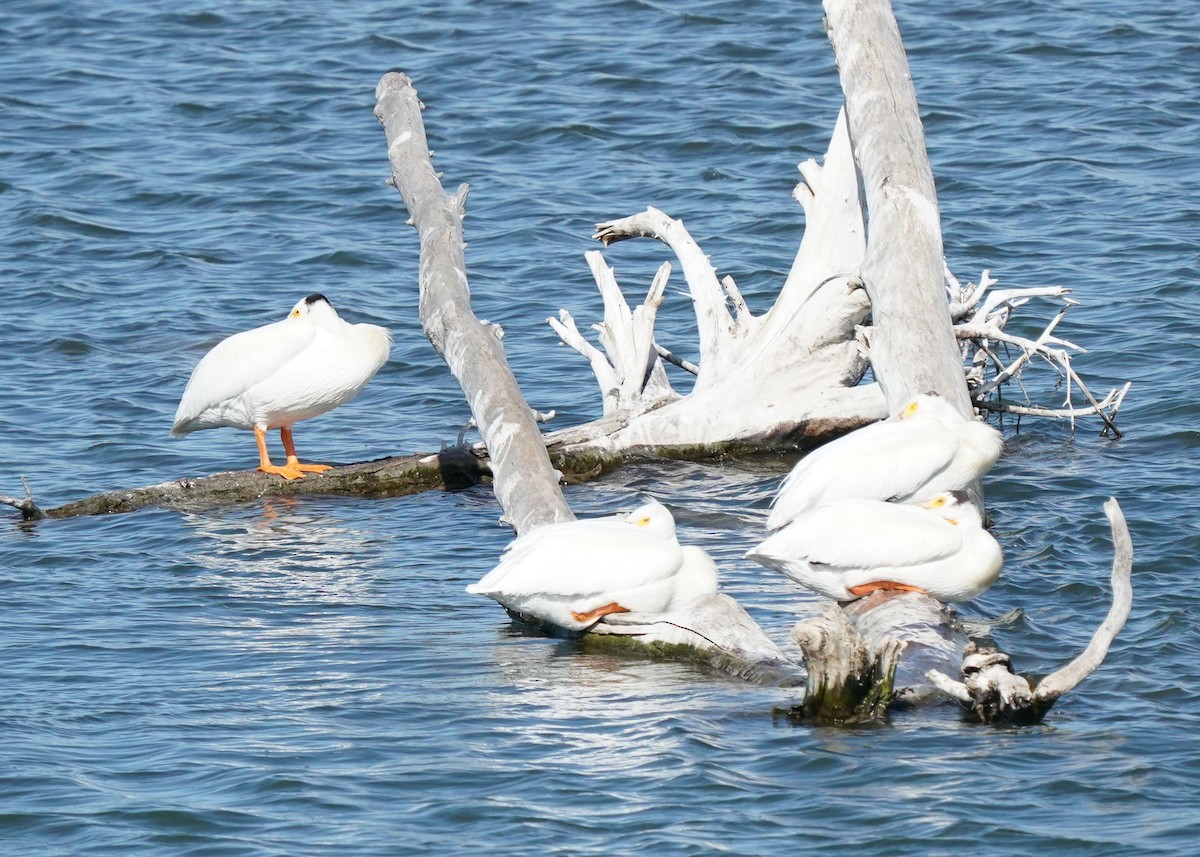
column 1062, row 680
column 714, row 322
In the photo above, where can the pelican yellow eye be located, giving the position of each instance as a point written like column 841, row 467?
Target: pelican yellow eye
column 909, row 411
column 295, row 313
column 936, row 503
column 642, row 521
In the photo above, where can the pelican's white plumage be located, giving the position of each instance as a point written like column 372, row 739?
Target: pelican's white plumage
column 281, row 373
column 939, row 547
column 924, row 450
column 571, row 574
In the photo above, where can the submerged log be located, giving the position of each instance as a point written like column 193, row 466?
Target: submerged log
column 454, row 467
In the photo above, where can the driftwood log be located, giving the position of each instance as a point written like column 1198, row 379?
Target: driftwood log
column 790, row 376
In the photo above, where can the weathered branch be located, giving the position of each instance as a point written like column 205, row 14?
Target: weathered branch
column 1109, row 405
column 628, row 370
column 525, row 483
column 1066, row 678
column 992, row 693
column 715, row 325
column 30, row 511
column 785, row 377
column 979, row 322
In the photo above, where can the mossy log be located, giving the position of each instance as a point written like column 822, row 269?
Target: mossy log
column 455, row 467
column 850, row 679
column 452, row 469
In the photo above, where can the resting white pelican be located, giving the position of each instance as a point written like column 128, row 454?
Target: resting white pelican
column 848, row 549
column 926, row 449
column 574, row 573
column 281, row 373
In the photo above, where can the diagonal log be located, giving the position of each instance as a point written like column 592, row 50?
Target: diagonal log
column 525, row 482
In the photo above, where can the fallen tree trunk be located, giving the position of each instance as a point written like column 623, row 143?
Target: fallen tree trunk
column 454, row 467
column 911, row 342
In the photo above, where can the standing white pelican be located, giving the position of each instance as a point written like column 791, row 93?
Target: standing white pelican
column 848, row 549
column 573, row 573
column 926, row 449
column 281, row 373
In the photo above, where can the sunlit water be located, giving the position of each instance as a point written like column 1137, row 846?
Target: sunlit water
column 309, row 677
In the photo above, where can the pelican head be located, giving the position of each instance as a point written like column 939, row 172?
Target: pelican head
column 655, row 518
column 956, row 507
column 923, row 406
column 316, row 305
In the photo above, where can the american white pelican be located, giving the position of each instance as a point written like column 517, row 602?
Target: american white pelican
column 281, row 373
column 848, row 549
column 574, row 573
column 926, row 449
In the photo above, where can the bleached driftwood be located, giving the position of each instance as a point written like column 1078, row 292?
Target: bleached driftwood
column 525, row 483
column 793, row 373
column 991, row 692
column 789, row 375
column 912, row 348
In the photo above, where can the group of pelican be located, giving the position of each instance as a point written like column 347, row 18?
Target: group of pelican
column 883, row 507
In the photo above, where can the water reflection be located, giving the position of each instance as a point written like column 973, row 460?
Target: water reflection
column 272, row 564
column 579, row 712
column 283, row 540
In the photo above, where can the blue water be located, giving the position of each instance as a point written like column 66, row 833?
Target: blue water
column 308, row 677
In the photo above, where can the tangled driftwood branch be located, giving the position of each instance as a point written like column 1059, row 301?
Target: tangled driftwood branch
column 980, row 316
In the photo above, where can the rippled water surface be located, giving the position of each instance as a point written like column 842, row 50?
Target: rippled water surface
column 309, row 677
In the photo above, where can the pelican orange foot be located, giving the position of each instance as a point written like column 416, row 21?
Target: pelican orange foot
column 889, row 585
column 593, row 615
column 289, row 447
column 287, row 471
